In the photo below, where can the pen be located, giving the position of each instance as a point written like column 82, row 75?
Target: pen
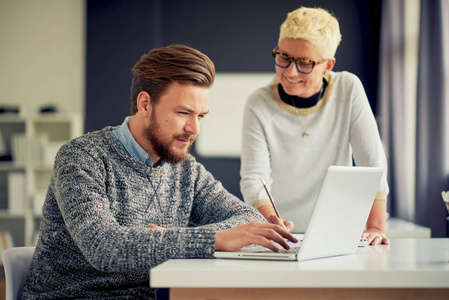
column 271, row 199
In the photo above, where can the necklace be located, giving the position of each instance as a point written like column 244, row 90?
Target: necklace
column 305, row 132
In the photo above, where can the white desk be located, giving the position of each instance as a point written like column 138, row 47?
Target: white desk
column 409, row 268
column 397, row 228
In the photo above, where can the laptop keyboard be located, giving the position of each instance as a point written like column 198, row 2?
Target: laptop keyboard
column 260, row 249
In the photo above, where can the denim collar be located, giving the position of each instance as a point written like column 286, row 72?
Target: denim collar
column 126, row 139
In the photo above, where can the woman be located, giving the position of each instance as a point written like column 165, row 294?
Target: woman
column 307, row 119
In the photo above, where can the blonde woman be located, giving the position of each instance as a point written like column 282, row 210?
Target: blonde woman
column 308, row 118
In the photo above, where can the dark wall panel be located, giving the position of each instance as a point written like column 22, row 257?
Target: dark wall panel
column 118, row 33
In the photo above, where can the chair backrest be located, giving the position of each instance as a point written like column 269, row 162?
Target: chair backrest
column 16, row 261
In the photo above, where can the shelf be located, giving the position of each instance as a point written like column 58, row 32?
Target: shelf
column 8, row 166
column 11, row 118
column 33, row 142
column 42, row 166
column 4, row 214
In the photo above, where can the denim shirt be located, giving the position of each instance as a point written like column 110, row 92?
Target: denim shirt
column 126, row 139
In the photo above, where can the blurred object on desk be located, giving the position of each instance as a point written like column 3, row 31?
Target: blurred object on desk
column 398, row 228
column 445, row 196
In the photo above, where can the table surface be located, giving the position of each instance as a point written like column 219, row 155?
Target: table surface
column 405, row 263
column 398, row 228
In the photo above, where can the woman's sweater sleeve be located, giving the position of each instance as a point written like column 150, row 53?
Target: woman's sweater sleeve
column 255, row 155
column 365, row 140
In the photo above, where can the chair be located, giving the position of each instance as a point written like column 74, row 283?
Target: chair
column 16, row 261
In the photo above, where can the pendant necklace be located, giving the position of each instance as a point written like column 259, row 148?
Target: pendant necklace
column 305, row 132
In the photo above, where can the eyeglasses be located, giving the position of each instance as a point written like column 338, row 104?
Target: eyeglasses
column 303, row 65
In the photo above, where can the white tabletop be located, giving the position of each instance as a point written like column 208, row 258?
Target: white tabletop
column 397, row 228
column 405, row 263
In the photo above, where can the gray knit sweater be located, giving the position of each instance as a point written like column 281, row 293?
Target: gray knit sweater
column 94, row 241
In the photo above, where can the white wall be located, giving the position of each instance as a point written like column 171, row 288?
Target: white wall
column 42, row 54
column 221, row 130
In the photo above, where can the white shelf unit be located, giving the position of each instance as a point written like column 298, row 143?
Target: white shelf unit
column 41, row 136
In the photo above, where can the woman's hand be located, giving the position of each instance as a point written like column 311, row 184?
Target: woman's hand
column 287, row 225
column 375, row 237
column 270, row 215
column 375, row 232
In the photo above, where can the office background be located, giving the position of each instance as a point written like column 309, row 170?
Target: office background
column 237, row 35
column 78, row 55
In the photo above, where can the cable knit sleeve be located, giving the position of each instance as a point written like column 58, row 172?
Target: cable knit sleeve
column 215, row 206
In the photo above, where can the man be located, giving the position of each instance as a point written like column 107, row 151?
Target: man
column 125, row 199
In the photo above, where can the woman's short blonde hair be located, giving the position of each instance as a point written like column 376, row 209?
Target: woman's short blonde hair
column 315, row 25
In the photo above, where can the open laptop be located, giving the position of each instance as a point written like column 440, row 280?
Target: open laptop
column 338, row 218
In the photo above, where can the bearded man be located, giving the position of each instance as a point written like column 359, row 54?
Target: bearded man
column 127, row 198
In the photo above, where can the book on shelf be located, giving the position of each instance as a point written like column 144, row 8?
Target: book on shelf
column 3, row 199
column 36, row 145
column 3, row 147
column 16, row 192
column 18, row 147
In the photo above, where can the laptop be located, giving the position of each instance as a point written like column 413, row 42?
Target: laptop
column 338, row 218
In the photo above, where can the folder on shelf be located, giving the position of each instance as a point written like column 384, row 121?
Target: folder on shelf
column 16, row 192
column 18, row 147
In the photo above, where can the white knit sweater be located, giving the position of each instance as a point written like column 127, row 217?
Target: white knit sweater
column 341, row 128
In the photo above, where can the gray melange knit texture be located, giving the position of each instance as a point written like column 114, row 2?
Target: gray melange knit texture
column 94, row 242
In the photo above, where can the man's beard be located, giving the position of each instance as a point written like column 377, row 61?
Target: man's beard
column 162, row 147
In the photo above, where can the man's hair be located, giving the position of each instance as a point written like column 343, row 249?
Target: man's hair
column 160, row 67
column 315, row 25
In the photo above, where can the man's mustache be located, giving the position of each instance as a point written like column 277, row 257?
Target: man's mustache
column 187, row 137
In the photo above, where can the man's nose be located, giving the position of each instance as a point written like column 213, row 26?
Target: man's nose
column 193, row 126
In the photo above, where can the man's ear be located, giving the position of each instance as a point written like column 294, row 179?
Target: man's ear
column 144, row 103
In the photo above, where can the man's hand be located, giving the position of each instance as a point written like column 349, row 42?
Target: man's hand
column 257, row 233
column 156, row 227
